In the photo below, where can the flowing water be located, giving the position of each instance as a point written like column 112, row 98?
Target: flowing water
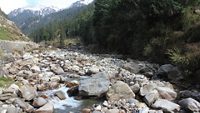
column 69, row 104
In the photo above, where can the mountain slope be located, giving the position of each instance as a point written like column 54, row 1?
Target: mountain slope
column 27, row 19
column 8, row 30
column 66, row 23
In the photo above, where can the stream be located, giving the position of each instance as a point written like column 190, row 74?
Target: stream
column 70, row 104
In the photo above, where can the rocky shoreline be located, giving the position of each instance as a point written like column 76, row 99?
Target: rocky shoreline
column 125, row 86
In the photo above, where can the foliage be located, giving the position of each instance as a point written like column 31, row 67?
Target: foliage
column 188, row 57
column 4, row 34
column 161, row 30
column 190, row 18
column 76, row 22
column 160, row 9
column 4, row 82
column 66, row 42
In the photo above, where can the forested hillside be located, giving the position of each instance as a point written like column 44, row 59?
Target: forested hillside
column 160, row 31
column 109, row 56
column 65, row 23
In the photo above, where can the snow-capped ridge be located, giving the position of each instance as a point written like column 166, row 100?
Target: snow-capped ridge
column 38, row 11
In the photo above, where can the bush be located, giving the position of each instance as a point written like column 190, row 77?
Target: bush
column 4, row 81
column 188, row 58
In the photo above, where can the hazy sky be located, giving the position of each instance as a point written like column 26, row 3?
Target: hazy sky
column 9, row 5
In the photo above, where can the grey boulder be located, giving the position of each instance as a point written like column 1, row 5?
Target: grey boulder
column 60, row 95
column 28, row 92
column 119, row 90
column 170, row 72
column 190, row 104
column 47, row 108
column 97, row 85
column 38, row 102
column 166, row 105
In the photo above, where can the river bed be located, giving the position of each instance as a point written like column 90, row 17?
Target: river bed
column 70, row 104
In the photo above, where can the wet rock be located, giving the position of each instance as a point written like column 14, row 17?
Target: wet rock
column 28, row 92
column 170, row 72
column 190, row 104
column 38, row 102
column 73, row 91
column 166, row 105
column 120, row 90
column 96, row 85
column 47, row 108
column 72, row 83
column 60, row 95
column 57, row 69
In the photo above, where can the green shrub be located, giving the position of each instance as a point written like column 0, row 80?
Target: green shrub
column 4, row 81
column 188, row 57
column 189, row 17
column 177, row 57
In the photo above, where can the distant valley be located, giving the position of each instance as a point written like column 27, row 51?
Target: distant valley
column 29, row 20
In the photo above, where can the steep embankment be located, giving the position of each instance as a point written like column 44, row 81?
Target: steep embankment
column 8, row 30
column 12, row 40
